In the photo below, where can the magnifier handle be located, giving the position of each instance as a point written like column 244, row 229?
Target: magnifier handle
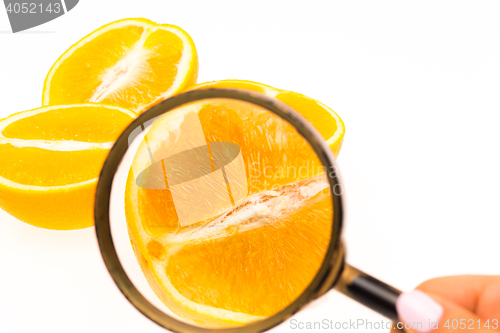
column 369, row 291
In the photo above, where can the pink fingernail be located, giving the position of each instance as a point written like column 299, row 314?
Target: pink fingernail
column 419, row 310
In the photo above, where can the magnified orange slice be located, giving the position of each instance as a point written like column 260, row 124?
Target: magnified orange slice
column 326, row 121
column 255, row 255
column 132, row 63
column 51, row 158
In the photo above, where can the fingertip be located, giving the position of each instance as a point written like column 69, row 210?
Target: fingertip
column 420, row 309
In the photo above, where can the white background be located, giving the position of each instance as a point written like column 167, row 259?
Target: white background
column 417, row 85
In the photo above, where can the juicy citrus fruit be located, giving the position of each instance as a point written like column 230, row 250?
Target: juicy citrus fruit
column 244, row 256
column 132, row 63
column 51, row 158
column 326, row 121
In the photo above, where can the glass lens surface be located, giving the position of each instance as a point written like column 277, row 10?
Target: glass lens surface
column 221, row 213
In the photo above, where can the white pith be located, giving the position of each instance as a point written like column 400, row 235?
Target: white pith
column 56, row 145
column 250, row 213
column 123, row 73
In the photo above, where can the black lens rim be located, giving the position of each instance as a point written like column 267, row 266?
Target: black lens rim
column 103, row 192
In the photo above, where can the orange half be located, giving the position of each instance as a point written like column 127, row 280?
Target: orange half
column 132, row 63
column 51, row 159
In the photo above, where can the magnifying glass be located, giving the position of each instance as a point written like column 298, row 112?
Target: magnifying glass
column 220, row 209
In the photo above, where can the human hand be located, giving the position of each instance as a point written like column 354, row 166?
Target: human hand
column 469, row 303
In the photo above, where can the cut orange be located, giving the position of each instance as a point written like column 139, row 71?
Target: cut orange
column 326, row 121
column 52, row 157
column 259, row 251
column 132, row 63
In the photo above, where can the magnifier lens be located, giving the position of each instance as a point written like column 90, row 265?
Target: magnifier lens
column 220, row 212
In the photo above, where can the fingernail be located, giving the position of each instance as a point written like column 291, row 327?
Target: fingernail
column 417, row 307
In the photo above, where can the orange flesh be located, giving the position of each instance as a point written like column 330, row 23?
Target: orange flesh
column 256, row 272
column 42, row 167
column 87, row 65
column 322, row 121
column 79, row 123
column 222, row 123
